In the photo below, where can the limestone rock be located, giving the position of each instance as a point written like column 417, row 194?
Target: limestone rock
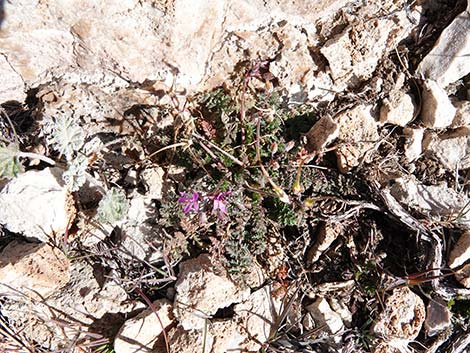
column 182, row 341
column 12, row 87
column 357, row 58
column 463, row 276
column 322, row 133
column 462, row 116
column 448, row 60
column 357, row 136
column 413, row 143
column 153, row 179
column 402, row 317
column 139, row 233
column 201, row 291
column 322, row 314
column 140, row 334
column 326, row 235
column 451, row 149
column 33, row 268
column 461, row 251
column 227, row 336
column 37, row 205
column 437, row 110
column 399, row 109
column 81, row 302
column 438, row 318
column 436, row 201
column 256, row 317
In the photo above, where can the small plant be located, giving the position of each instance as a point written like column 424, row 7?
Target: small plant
column 112, row 206
column 67, row 137
column 10, row 164
column 64, row 135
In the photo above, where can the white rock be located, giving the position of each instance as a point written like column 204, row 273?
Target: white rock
column 327, row 234
column 399, row 109
column 201, row 290
column 140, row 334
column 32, row 268
column 357, row 135
column 461, row 251
column 12, row 87
column 438, row 318
column 413, row 143
column 153, row 179
column 435, row 201
column 322, row 133
column 322, row 314
column 37, row 205
column 451, row 149
column 437, row 110
column 448, row 60
column 402, row 317
column 138, row 232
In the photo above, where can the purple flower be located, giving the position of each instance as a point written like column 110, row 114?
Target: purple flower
column 190, row 202
column 219, row 203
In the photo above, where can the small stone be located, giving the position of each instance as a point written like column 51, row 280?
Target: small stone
column 357, row 135
column 437, row 110
column 448, row 60
column 451, row 149
column 323, row 315
column 438, row 318
column 227, row 336
column 322, row 133
column 462, row 116
column 463, row 276
column 183, row 341
column 141, row 333
column 327, row 234
column 153, row 179
column 413, row 143
column 201, row 290
column 399, row 109
column 33, row 268
column 37, row 205
column 461, row 251
column 402, row 317
column 435, row 201
column 256, row 316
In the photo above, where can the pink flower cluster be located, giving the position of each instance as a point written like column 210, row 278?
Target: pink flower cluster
column 194, row 202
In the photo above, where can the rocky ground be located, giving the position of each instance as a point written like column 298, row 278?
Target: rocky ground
column 234, row 176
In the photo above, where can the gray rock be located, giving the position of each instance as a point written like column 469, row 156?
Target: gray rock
column 438, row 202
column 438, row 318
column 451, row 149
column 448, row 60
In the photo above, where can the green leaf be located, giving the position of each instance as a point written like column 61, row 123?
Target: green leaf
column 10, row 165
column 112, row 206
